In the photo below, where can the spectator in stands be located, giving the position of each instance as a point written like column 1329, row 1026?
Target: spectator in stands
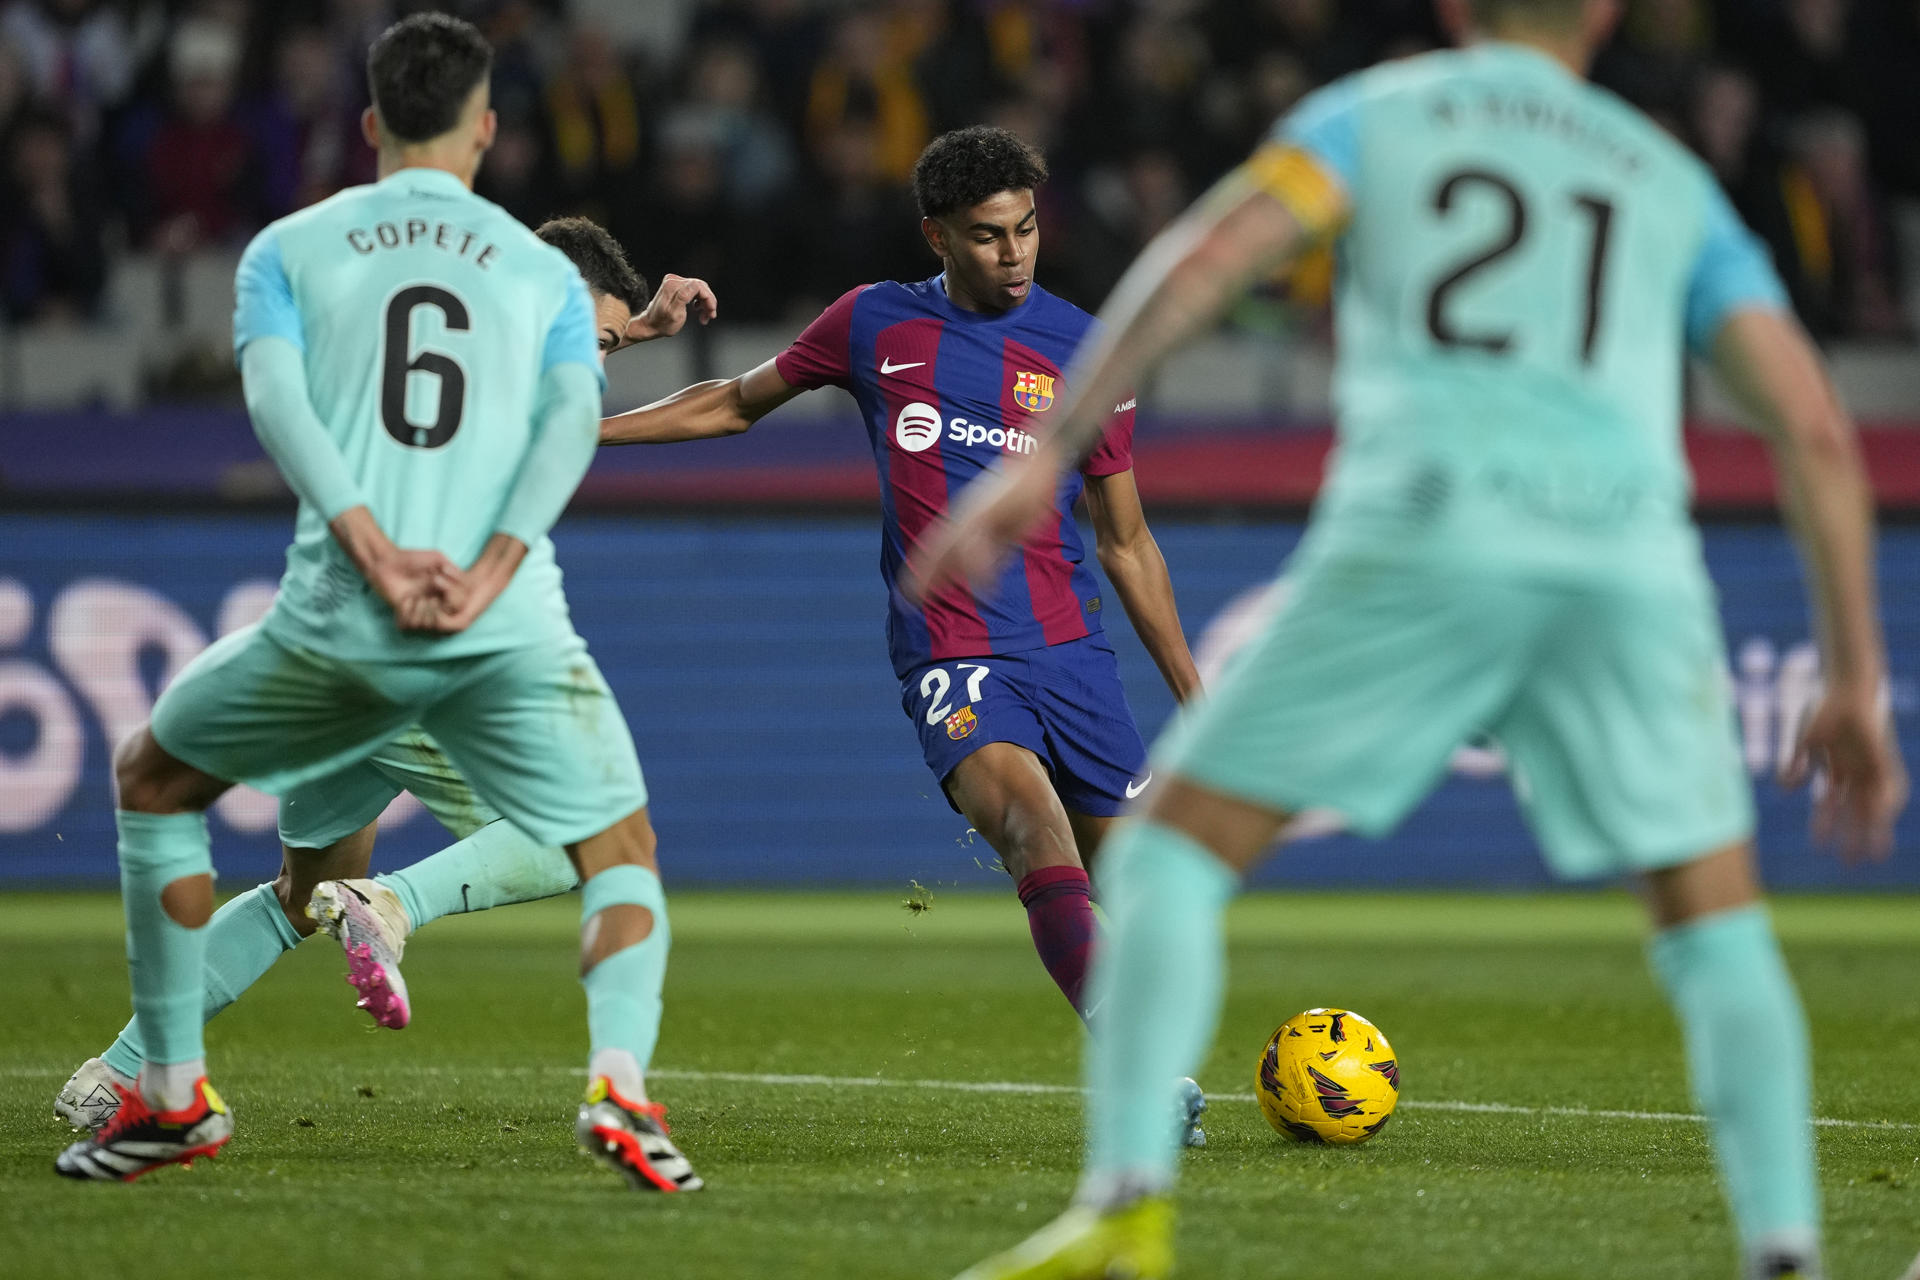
column 1807, row 56
column 784, row 36
column 683, row 222
column 15, row 92
column 859, row 223
column 515, row 174
column 758, row 160
column 1842, row 266
column 78, row 57
column 54, row 264
column 1152, row 97
column 1127, row 205
column 593, row 113
column 863, row 86
column 1657, row 55
column 307, row 128
column 202, row 168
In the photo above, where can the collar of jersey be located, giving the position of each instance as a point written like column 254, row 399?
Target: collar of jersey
column 1538, row 58
column 417, row 176
column 1010, row 316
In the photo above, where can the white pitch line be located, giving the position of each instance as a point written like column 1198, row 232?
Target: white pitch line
column 1019, row 1087
column 1024, row 1088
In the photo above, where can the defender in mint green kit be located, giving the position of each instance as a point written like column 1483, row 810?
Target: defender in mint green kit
column 426, row 373
column 1503, row 543
column 1502, row 546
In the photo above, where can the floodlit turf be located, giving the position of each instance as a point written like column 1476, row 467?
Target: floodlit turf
column 446, row 1149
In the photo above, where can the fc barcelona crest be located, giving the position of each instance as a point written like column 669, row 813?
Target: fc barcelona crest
column 961, row 723
column 1033, row 391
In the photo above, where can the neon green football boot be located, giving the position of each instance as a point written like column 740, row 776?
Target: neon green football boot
column 1133, row 1243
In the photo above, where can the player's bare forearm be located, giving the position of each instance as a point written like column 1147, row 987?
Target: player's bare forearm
column 703, row 411
column 1139, row 576
column 362, row 538
column 1175, row 289
column 699, row 412
column 1770, row 366
column 1138, row 572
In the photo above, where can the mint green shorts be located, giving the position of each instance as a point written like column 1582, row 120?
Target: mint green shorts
column 315, row 814
column 1611, row 700
column 536, row 731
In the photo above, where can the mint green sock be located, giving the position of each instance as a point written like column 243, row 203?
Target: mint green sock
column 243, row 939
column 164, row 958
column 1157, row 984
column 496, row 865
column 1746, row 1042
column 623, row 990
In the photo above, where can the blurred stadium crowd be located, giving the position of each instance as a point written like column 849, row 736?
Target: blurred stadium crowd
column 764, row 144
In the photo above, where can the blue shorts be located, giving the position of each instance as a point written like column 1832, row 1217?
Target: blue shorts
column 1062, row 702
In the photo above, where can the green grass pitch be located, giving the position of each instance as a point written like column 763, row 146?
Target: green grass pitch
column 446, row 1149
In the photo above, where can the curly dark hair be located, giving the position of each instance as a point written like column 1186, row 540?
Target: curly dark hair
column 421, row 70
column 961, row 168
column 603, row 264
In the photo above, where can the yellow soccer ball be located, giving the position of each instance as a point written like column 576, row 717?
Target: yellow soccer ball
column 1327, row 1075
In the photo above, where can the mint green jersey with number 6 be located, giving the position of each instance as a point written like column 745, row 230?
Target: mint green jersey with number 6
column 426, row 317
column 1526, row 260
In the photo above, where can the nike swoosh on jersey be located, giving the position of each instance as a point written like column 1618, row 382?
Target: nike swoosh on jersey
column 1135, row 788
column 888, row 366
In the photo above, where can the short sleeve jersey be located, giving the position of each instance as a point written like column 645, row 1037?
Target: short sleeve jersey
column 944, row 392
column 426, row 318
column 1524, row 261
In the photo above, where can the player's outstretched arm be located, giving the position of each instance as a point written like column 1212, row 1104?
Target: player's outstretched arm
column 1138, row 572
column 1265, row 212
column 1768, row 364
column 704, row 410
column 273, row 377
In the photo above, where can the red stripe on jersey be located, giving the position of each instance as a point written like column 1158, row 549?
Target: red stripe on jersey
column 905, row 356
column 1029, row 386
column 822, row 354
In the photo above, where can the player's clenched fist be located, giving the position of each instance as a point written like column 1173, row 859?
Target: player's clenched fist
column 678, row 299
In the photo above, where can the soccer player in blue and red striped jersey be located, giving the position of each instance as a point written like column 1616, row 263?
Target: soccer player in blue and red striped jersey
column 1013, row 689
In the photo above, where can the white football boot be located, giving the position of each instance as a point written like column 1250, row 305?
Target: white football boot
column 1192, row 1103
column 632, row 1137
column 371, row 926
column 91, row 1096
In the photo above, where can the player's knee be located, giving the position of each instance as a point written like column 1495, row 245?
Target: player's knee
column 138, row 783
column 1032, row 839
column 148, row 780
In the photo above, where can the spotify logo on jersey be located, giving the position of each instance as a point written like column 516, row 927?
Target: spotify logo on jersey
column 917, row 427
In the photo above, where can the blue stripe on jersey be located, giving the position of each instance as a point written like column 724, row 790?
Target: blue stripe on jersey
column 573, row 339
column 1327, row 123
column 963, row 370
column 1733, row 271
column 263, row 304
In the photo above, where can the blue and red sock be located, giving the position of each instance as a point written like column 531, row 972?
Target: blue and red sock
column 1059, row 907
